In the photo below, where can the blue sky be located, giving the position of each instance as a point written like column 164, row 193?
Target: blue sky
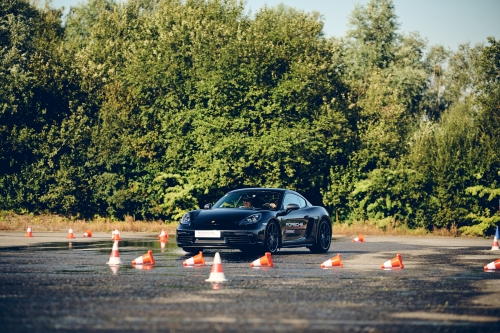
column 446, row 22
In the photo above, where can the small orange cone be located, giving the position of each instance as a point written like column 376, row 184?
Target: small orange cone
column 360, row 238
column 395, row 262
column 266, row 260
column 332, row 262
column 163, row 236
column 145, row 259
column 88, row 233
column 494, row 265
column 216, row 274
column 70, row 233
column 29, row 233
column 115, row 235
column 196, row 260
column 114, row 259
column 495, row 241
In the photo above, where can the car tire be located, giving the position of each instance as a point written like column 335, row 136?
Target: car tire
column 323, row 238
column 272, row 238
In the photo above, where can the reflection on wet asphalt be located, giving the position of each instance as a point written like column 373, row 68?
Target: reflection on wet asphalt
column 67, row 286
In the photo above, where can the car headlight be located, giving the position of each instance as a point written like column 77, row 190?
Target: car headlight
column 251, row 219
column 186, row 219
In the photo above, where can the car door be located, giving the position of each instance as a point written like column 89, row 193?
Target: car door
column 295, row 221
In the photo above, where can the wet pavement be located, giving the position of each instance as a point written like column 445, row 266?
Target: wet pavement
column 68, row 287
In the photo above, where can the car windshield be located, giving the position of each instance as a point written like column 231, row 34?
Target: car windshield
column 250, row 200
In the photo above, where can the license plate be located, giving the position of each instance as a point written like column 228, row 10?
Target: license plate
column 207, row 233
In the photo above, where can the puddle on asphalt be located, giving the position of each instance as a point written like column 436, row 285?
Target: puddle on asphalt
column 96, row 254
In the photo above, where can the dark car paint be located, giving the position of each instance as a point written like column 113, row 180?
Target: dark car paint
column 298, row 227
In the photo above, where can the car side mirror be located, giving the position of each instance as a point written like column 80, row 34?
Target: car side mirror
column 207, row 206
column 291, row 207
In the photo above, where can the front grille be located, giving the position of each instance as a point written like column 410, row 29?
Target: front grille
column 185, row 237
column 239, row 239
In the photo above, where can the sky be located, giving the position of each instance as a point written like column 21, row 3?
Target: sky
column 445, row 22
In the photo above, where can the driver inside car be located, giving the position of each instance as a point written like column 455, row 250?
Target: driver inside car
column 247, row 202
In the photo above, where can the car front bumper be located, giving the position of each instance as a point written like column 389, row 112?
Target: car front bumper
column 230, row 239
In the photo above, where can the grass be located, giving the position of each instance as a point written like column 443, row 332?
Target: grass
column 10, row 221
column 390, row 227
column 55, row 223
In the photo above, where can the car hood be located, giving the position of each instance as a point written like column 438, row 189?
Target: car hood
column 220, row 216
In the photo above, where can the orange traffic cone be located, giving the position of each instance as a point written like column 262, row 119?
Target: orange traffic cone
column 494, row 265
column 360, row 238
column 114, row 259
column 332, row 262
column 196, row 260
column 395, row 262
column 70, row 233
column 145, row 259
column 266, row 260
column 163, row 236
column 143, row 267
column 88, row 233
column 115, row 235
column 216, row 275
column 28, row 232
column 495, row 241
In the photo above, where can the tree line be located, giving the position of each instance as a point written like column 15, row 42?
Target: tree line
column 151, row 108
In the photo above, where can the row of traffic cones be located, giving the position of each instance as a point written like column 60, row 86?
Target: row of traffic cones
column 115, row 235
column 494, row 247
column 199, row 260
column 145, row 259
column 144, row 262
column 396, row 262
column 71, row 234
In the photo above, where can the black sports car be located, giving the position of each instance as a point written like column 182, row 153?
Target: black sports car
column 256, row 219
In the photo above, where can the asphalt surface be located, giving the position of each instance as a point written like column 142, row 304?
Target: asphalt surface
column 58, row 286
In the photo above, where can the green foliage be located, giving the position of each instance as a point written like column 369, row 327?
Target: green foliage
column 399, row 194
column 480, row 225
column 152, row 108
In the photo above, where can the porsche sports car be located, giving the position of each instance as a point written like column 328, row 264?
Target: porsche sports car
column 257, row 220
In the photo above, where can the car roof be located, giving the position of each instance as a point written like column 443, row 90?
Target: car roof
column 249, row 189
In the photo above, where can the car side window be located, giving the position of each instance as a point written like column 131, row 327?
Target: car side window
column 302, row 202
column 291, row 198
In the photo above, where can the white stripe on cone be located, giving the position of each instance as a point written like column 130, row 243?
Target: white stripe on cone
column 494, row 265
column 495, row 244
column 495, row 240
column 256, row 263
column 388, row 264
column 114, row 259
column 70, row 233
column 189, row 262
column 327, row 263
column 138, row 261
column 216, row 275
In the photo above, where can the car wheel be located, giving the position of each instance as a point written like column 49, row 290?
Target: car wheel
column 272, row 239
column 323, row 238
